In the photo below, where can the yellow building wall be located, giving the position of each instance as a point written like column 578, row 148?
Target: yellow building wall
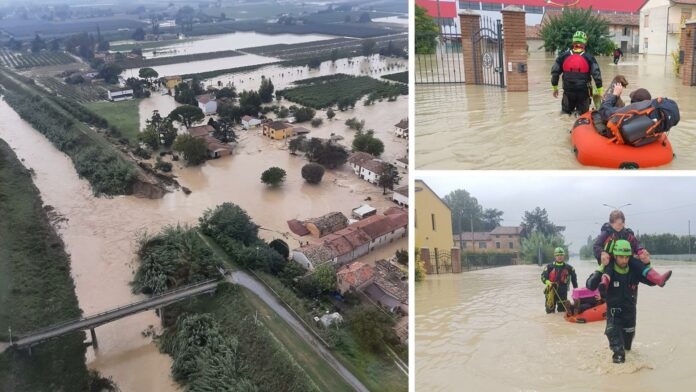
column 429, row 205
column 173, row 83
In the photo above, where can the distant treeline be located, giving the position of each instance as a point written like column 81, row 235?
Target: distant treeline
column 657, row 244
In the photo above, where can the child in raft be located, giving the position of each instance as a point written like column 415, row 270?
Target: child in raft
column 584, row 299
column 614, row 231
column 621, row 297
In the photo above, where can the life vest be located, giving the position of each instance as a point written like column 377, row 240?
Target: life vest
column 562, row 277
column 609, row 242
column 641, row 123
column 576, row 63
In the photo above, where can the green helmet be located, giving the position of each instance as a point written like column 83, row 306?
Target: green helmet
column 622, row 248
column 559, row 251
column 580, row 37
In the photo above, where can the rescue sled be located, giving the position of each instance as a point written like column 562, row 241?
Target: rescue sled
column 597, row 313
column 593, row 149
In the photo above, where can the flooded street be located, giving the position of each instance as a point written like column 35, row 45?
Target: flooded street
column 100, row 233
column 487, row 330
column 484, row 127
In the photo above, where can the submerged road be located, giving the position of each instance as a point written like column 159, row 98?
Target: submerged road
column 245, row 280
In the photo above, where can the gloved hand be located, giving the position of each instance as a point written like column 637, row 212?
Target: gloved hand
column 600, row 90
column 548, row 283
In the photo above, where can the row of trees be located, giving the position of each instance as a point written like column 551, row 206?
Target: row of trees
column 659, row 244
column 468, row 214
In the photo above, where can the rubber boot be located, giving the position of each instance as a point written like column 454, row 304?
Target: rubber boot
column 619, row 357
column 604, row 285
column 628, row 339
column 657, row 278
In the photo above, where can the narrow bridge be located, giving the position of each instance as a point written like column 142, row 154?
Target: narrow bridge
column 91, row 322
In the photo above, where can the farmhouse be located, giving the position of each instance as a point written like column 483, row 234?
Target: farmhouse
column 278, row 130
column 249, row 122
column 400, row 196
column 207, row 103
column 401, row 129
column 326, row 224
column 116, row 95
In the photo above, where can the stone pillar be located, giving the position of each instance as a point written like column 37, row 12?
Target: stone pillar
column 470, row 23
column 515, row 47
column 456, row 260
column 425, row 258
column 686, row 51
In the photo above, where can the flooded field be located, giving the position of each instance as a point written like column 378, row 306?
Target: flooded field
column 221, row 42
column 100, row 233
column 374, row 66
column 488, row 330
column 483, row 127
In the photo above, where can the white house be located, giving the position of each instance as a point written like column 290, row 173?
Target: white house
column 249, row 122
column 401, row 129
column 402, row 162
column 660, row 24
column 364, row 211
column 372, row 170
column 207, row 103
column 400, row 196
column 356, row 161
column 120, row 95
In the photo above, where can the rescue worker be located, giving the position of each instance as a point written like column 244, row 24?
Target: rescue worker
column 556, row 277
column 621, row 298
column 577, row 67
column 613, row 232
column 618, row 53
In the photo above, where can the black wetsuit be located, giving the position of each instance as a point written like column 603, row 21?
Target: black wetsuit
column 561, row 274
column 622, row 296
column 577, row 69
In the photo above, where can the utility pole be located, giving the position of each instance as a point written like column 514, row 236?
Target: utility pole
column 688, row 237
column 10, row 329
column 473, row 243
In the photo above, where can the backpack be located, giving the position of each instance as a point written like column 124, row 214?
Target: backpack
column 641, row 123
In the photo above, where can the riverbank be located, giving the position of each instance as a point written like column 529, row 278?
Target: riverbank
column 36, row 288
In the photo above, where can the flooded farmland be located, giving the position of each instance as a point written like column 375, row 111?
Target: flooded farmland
column 487, row 329
column 483, row 127
column 100, row 233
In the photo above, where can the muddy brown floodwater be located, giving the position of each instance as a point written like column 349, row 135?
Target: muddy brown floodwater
column 100, row 233
column 488, row 330
column 483, row 127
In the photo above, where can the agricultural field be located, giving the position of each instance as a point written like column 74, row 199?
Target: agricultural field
column 124, row 116
column 127, row 47
column 326, row 91
column 142, row 63
column 397, row 77
column 79, row 92
column 26, row 29
column 28, row 60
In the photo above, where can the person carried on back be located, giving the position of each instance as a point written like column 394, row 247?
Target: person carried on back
column 557, row 276
column 639, row 123
column 578, row 68
column 614, row 231
column 621, row 296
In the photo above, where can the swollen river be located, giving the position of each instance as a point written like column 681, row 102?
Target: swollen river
column 487, row 331
column 484, row 127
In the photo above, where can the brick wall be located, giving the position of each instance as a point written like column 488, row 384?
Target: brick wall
column 456, row 261
column 425, row 258
column 686, row 44
column 470, row 23
column 515, row 45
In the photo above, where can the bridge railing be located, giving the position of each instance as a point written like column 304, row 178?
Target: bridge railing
column 134, row 304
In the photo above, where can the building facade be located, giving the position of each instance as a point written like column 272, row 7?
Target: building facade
column 505, row 239
column 433, row 220
column 660, row 25
column 278, row 130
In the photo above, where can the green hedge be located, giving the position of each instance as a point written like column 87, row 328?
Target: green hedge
column 486, row 259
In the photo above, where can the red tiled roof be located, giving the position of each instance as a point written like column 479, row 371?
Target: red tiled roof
column 378, row 225
column 358, row 158
column 597, row 5
column 394, row 211
column 346, row 240
column 355, row 273
column 402, row 190
column 533, row 32
column 507, row 230
column 202, row 130
column 612, row 19
column 204, row 99
column 476, row 236
column 297, row 227
column 448, row 9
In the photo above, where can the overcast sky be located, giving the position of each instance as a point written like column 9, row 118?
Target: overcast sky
column 658, row 204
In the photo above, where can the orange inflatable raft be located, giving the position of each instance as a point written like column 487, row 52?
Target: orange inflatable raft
column 593, row 149
column 598, row 313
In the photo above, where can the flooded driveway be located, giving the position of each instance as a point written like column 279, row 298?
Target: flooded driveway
column 488, row 330
column 483, row 127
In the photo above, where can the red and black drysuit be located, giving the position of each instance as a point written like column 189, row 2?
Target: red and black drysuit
column 560, row 274
column 577, row 69
column 622, row 297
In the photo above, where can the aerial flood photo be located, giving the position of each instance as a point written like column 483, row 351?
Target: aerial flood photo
column 204, row 195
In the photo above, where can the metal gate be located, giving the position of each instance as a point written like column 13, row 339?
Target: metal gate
column 488, row 53
column 439, row 58
column 443, row 262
